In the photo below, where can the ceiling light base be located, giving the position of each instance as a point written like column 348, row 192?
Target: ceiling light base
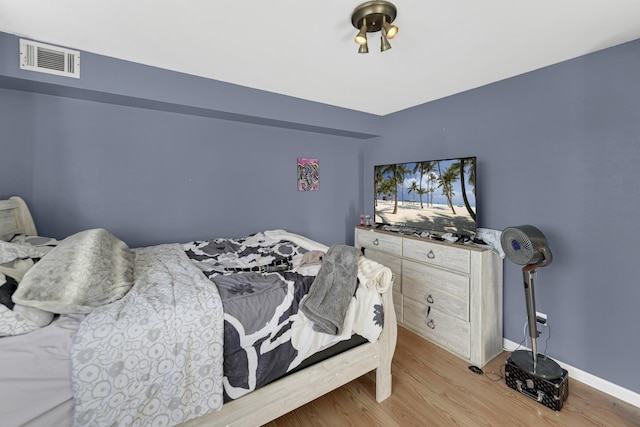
column 373, row 14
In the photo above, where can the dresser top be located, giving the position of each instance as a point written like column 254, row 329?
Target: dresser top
column 466, row 245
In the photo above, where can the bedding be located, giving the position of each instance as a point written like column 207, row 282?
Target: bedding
column 16, row 257
column 166, row 352
column 265, row 333
column 44, row 244
column 86, row 270
column 16, row 319
column 8, row 286
column 35, row 374
column 327, row 301
column 10, row 275
column 10, row 251
column 156, row 353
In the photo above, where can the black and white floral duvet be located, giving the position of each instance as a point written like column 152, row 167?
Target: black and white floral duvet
column 261, row 283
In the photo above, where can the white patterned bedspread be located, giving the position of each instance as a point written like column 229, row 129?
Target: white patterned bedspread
column 153, row 357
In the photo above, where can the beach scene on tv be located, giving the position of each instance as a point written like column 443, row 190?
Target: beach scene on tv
column 438, row 196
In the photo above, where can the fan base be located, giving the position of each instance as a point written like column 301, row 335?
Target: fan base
column 545, row 368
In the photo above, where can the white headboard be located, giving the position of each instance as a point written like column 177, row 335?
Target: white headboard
column 15, row 218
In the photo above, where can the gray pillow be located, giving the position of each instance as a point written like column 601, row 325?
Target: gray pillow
column 86, row 270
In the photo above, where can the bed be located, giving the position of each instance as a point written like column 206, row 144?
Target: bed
column 312, row 370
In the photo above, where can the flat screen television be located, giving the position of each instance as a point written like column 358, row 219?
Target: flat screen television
column 433, row 197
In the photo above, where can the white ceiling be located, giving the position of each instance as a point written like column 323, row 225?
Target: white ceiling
column 305, row 49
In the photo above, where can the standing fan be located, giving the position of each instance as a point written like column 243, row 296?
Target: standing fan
column 526, row 245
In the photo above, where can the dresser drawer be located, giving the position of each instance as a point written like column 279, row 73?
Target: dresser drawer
column 441, row 328
column 425, row 276
column 437, row 299
column 453, row 258
column 393, row 262
column 379, row 241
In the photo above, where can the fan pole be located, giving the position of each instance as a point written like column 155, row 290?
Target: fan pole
column 526, row 245
column 528, row 273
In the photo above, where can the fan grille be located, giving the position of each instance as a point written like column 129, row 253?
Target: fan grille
column 518, row 245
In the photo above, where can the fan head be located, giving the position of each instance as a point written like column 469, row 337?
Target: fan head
column 525, row 245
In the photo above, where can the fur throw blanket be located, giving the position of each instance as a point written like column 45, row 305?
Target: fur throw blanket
column 86, row 270
column 329, row 296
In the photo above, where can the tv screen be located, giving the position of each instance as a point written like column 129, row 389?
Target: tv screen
column 434, row 196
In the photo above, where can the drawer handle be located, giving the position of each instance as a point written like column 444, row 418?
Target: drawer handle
column 376, row 242
column 431, row 324
column 430, row 299
column 431, row 255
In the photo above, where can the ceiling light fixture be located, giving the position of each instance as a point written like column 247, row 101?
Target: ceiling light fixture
column 371, row 17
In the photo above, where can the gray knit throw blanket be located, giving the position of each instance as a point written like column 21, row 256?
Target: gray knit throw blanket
column 328, row 299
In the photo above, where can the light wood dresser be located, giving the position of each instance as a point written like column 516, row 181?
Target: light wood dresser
column 450, row 294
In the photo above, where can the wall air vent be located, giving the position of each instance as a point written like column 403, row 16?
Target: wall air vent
column 49, row 59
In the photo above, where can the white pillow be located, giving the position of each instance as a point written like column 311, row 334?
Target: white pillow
column 11, row 251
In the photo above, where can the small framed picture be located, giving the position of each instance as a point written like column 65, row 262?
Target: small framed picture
column 308, row 174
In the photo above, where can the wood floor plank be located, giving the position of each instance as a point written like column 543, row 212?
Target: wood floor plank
column 431, row 387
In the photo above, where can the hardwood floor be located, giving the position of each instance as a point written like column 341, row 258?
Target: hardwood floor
column 431, row 387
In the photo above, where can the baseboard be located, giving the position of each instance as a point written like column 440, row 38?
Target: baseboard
column 588, row 379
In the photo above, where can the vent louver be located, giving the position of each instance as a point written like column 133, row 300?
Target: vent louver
column 49, row 59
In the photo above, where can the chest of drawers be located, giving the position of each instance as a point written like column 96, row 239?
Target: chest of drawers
column 450, row 294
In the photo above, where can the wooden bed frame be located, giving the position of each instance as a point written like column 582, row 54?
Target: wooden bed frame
column 286, row 394
column 15, row 217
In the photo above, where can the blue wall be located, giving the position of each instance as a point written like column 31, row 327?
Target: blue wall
column 558, row 148
column 153, row 177
column 179, row 160
column 158, row 156
column 17, row 138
